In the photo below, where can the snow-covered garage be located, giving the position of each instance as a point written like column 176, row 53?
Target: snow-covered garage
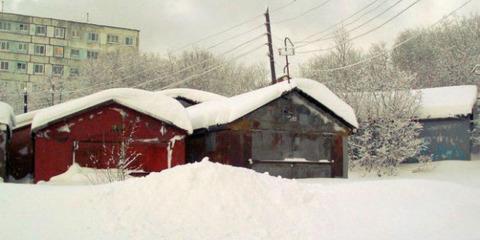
column 294, row 129
column 446, row 114
column 118, row 128
column 7, row 122
column 20, row 160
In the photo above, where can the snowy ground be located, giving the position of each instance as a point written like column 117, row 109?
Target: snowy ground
column 212, row 201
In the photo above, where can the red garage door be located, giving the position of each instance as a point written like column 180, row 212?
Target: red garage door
column 149, row 157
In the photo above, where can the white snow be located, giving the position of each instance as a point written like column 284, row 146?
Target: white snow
column 194, row 95
column 447, row 102
column 212, row 201
column 219, row 112
column 6, row 115
column 25, row 119
column 170, row 147
column 155, row 105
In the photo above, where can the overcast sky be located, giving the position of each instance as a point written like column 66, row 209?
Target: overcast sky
column 168, row 24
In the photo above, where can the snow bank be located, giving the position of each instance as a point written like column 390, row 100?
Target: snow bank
column 228, row 110
column 194, row 95
column 6, row 115
column 155, row 105
column 212, row 201
column 447, row 102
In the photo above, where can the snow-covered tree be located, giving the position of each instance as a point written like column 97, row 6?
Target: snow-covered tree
column 121, row 159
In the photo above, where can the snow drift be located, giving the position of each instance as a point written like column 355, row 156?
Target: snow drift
column 212, row 201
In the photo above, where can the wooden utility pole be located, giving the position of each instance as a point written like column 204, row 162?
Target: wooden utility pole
column 270, row 47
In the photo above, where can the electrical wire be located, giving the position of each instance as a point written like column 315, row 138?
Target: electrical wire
column 179, row 71
column 303, row 13
column 365, row 33
column 229, row 28
column 396, row 45
column 344, row 20
column 332, row 36
column 203, row 73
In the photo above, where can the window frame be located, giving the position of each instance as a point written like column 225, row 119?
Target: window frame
column 39, row 45
column 6, row 43
column 37, row 33
column 22, row 70
column 35, row 65
column 92, row 54
column 3, row 64
column 54, row 52
column 96, row 38
column 63, row 30
column 62, row 67
column 110, row 36
column 129, row 41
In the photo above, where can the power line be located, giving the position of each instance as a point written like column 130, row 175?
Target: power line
column 331, row 36
column 178, row 71
column 365, row 33
column 229, row 28
column 303, row 13
column 203, row 73
column 346, row 19
column 396, row 45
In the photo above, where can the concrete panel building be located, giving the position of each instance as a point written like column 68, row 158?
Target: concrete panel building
column 34, row 48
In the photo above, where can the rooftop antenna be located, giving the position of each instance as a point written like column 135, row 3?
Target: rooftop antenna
column 3, row 4
column 88, row 17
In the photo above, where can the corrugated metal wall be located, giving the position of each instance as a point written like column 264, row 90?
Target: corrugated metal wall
column 447, row 139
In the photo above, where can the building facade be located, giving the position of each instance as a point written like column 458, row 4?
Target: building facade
column 35, row 48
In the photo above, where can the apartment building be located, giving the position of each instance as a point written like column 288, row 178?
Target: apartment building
column 35, row 48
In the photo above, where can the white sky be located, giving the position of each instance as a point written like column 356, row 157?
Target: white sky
column 168, row 24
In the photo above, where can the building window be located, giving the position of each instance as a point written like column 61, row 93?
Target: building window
column 57, row 69
column 75, row 34
column 5, row 26
column 58, row 51
column 74, row 72
column 21, row 67
column 93, row 37
column 59, row 32
column 41, row 30
column 38, row 68
column 75, row 53
column 92, row 55
column 23, row 47
column 22, row 27
column 129, row 40
column 39, row 50
column 112, row 38
column 4, row 66
column 4, row 45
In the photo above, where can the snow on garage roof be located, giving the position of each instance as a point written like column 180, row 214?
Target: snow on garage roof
column 155, row 105
column 25, row 119
column 219, row 112
column 6, row 115
column 194, row 95
column 446, row 102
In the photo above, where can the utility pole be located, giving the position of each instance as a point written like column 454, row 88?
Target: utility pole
column 287, row 52
column 88, row 17
column 270, row 47
column 25, row 100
